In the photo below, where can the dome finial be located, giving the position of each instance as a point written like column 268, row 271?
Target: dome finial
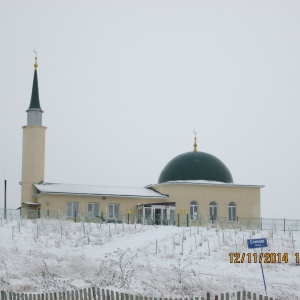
column 35, row 63
column 195, row 143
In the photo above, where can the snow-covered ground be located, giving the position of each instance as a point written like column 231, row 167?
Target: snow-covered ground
column 50, row 255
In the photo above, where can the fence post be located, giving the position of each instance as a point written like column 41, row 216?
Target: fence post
column 99, row 293
column 90, row 293
column 187, row 220
column 244, row 295
column 75, row 213
column 107, row 295
column 178, row 219
column 112, row 295
column 3, row 295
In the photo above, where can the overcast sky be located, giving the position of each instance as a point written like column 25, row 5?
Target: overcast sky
column 124, row 83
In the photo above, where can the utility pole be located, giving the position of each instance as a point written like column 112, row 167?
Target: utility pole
column 4, row 198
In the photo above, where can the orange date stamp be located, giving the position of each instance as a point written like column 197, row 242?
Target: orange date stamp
column 267, row 258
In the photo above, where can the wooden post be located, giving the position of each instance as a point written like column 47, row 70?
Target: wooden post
column 107, row 295
column 94, row 293
column 3, row 295
column 90, row 293
column 178, row 219
column 244, row 295
column 99, row 293
column 103, row 294
column 85, row 297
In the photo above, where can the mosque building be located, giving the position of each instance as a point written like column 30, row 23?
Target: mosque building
column 194, row 187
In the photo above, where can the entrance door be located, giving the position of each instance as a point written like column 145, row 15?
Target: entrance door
column 157, row 216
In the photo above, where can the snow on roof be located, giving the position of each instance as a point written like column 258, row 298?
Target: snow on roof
column 97, row 190
column 206, row 182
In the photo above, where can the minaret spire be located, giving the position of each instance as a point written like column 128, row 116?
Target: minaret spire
column 34, row 112
column 195, row 141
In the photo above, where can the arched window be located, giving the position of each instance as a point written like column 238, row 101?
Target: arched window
column 213, row 212
column 232, row 212
column 194, row 211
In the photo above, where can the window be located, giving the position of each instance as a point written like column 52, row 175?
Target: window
column 93, row 210
column 194, row 211
column 213, row 212
column 113, row 211
column 232, row 212
column 72, row 209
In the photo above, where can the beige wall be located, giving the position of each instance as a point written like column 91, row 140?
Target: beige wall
column 33, row 160
column 247, row 199
column 59, row 202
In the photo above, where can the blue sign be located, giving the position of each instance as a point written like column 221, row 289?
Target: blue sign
column 257, row 243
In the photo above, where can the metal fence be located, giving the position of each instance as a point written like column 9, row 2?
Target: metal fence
column 103, row 294
column 180, row 220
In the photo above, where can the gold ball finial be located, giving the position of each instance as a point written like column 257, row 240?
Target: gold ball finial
column 195, row 142
column 35, row 59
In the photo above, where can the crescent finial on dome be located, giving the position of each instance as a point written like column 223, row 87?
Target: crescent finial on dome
column 195, row 142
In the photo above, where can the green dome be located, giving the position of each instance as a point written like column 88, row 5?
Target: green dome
column 195, row 166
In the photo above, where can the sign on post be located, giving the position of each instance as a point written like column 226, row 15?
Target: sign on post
column 257, row 243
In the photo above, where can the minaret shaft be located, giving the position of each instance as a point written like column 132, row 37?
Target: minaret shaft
column 33, row 160
column 33, row 149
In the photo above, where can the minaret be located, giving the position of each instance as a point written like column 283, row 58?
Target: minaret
column 33, row 151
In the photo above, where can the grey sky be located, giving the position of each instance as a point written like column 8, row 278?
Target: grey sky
column 124, row 83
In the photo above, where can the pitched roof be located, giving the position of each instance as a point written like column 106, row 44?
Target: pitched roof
column 97, row 190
